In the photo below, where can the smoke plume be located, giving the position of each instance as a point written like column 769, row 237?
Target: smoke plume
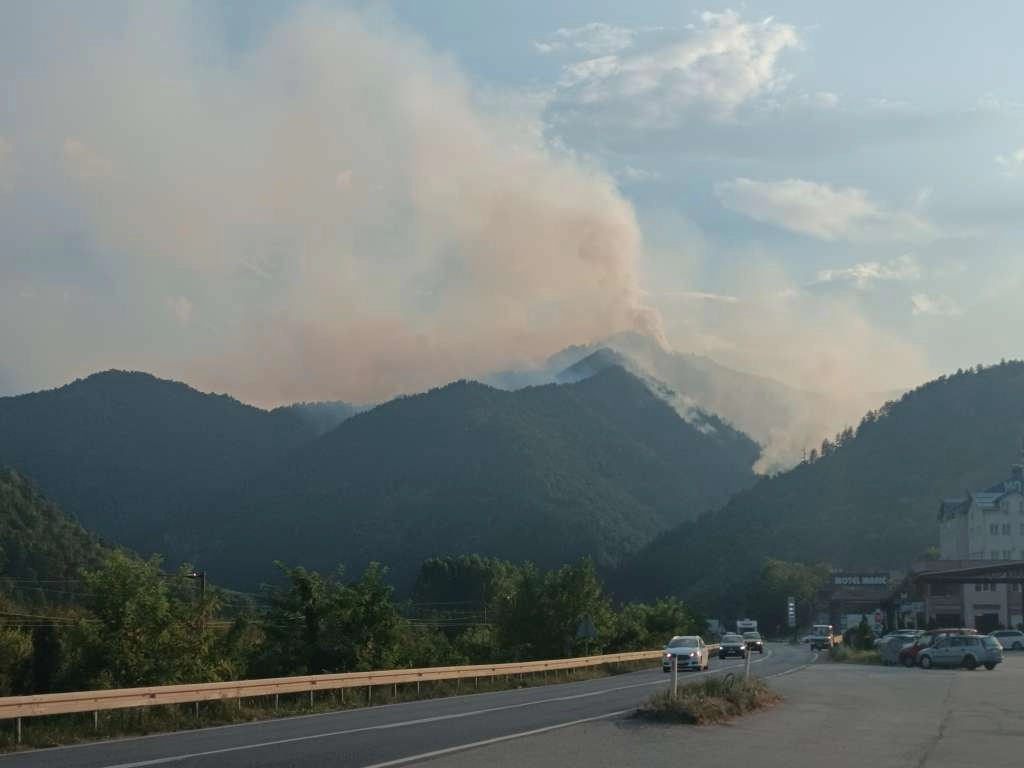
column 323, row 212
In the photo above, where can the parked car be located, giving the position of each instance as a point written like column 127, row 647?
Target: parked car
column 962, row 651
column 732, row 645
column 754, row 641
column 1010, row 639
column 690, row 651
column 909, row 653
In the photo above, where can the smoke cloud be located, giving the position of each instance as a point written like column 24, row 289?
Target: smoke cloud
column 326, row 212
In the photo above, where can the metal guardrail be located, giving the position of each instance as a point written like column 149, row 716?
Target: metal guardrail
column 17, row 707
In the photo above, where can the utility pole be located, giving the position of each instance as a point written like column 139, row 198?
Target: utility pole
column 201, row 575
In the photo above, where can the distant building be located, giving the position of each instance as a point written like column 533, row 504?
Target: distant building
column 981, row 541
column 985, row 525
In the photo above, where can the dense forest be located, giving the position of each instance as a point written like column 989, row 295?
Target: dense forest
column 548, row 474
column 40, row 546
column 127, row 453
column 866, row 499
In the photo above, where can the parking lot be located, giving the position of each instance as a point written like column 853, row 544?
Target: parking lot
column 833, row 714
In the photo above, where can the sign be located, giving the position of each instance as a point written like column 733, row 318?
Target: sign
column 791, row 612
column 860, row 579
column 586, row 629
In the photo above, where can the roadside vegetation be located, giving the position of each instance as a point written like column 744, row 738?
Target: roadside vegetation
column 847, row 655
column 715, row 699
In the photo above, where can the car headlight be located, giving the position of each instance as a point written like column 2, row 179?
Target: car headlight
column 693, row 655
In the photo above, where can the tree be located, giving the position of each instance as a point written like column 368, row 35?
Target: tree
column 15, row 656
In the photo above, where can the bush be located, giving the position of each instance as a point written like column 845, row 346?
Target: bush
column 849, row 655
column 714, row 700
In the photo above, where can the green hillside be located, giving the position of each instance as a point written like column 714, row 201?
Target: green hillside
column 869, row 502
column 547, row 474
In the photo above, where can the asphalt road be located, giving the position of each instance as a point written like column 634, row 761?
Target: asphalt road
column 399, row 734
column 834, row 715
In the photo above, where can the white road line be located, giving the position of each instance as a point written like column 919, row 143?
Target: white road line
column 496, row 740
column 381, row 727
column 405, row 723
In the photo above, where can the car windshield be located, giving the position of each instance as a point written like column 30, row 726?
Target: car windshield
column 752, row 635
column 732, row 639
column 683, row 642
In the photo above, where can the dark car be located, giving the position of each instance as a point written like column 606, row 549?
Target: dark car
column 754, row 641
column 1010, row 639
column 910, row 652
column 732, row 645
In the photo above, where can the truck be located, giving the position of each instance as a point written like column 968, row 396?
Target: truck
column 746, row 625
column 823, row 637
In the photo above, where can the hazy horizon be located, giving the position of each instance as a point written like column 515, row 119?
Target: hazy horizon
column 293, row 201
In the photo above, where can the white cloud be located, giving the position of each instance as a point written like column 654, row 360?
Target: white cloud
column 717, row 64
column 1013, row 162
column 940, row 304
column 905, row 268
column 698, row 296
column 593, row 39
column 637, row 175
column 819, row 210
column 180, row 308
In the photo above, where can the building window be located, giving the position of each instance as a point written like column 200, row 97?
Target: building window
column 1007, row 553
column 993, row 555
column 977, row 587
column 1006, row 529
column 994, row 529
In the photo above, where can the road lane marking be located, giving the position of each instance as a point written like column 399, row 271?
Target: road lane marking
column 419, row 721
column 403, row 724
column 496, row 740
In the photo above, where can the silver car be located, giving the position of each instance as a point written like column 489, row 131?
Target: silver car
column 962, row 651
column 690, row 650
column 1010, row 639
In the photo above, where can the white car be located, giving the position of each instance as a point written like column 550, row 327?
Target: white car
column 690, row 650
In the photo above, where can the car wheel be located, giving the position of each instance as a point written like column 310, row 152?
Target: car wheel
column 721, row 655
column 761, row 651
column 989, row 666
column 970, row 662
column 908, row 661
column 926, row 662
column 1017, row 646
column 666, row 670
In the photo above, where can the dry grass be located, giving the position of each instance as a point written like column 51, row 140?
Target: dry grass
column 713, row 700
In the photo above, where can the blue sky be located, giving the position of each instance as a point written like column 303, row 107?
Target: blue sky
column 288, row 200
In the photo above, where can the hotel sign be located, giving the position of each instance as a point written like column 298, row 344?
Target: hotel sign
column 860, row 579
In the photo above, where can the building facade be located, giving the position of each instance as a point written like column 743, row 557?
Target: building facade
column 982, row 528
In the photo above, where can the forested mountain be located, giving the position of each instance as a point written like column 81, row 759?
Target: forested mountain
column 39, row 544
column 127, row 453
column 321, row 417
column 781, row 418
column 868, row 500
column 544, row 473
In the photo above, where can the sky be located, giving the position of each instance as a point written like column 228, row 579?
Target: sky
column 352, row 200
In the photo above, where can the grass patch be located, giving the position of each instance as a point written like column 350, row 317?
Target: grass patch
column 847, row 655
column 58, row 730
column 713, row 700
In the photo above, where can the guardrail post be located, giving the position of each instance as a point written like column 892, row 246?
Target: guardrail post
column 310, row 697
column 369, row 694
column 95, row 720
column 197, row 710
column 19, row 730
column 746, row 666
column 277, row 700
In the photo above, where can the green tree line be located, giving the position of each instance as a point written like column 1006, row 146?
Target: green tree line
column 134, row 624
